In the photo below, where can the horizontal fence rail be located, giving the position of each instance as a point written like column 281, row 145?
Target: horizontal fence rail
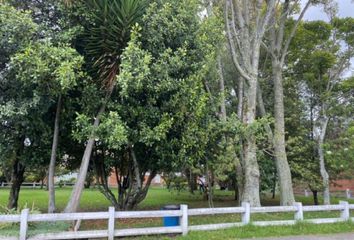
column 348, row 193
column 36, row 184
column 112, row 216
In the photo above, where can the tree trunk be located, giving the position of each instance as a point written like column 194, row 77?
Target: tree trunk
column 240, row 163
column 274, row 184
column 209, row 187
column 284, row 174
column 76, row 193
column 315, row 197
column 17, row 179
column 192, row 180
column 251, row 168
column 222, row 90
column 324, row 173
column 51, row 171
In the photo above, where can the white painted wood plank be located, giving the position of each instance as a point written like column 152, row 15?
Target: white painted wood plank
column 351, row 206
column 322, row 208
column 147, row 231
column 324, row 220
column 345, row 213
column 209, row 211
column 184, row 220
column 10, row 218
column 246, row 216
column 111, row 223
column 24, row 224
column 67, row 216
column 273, row 209
column 299, row 214
column 274, row 223
column 209, row 227
column 8, row 238
column 70, row 235
column 149, row 214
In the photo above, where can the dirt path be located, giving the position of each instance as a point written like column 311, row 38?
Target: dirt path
column 342, row 236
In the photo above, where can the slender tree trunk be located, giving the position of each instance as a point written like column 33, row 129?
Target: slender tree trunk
column 223, row 114
column 323, row 171
column 76, row 193
column 191, row 178
column 240, row 163
column 209, row 187
column 284, row 174
column 51, row 171
column 17, row 179
column 315, row 197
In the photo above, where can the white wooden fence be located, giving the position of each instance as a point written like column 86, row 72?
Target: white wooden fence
column 348, row 194
column 112, row 216
column 34, row 184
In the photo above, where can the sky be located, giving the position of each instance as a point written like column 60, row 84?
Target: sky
column 345, row 9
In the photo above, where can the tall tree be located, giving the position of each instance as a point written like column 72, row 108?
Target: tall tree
column 279, row 43
column 329, row 48
column 246, row 24
column 107, row 36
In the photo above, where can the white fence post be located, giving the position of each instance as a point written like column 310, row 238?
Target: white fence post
column 299, row 214
column 184, row 219
column 347, row 193
column 111, row 223
column 345, row 213
column 24, row 224
column 246, row 216
column 306, row 193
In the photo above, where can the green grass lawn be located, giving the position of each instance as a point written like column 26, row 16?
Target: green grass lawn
column 93, row 200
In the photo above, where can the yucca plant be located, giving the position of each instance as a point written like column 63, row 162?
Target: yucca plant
column 109, row 35
column 106, row 38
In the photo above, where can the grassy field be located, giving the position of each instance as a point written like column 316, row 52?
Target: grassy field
column 93, row 200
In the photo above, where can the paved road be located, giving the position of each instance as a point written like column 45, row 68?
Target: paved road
column 342, row 236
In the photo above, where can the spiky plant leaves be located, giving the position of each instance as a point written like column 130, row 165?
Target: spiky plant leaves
column 109, row 34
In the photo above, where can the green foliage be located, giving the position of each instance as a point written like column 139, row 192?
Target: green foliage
column 345, row 29
column 16, row 30
column 6, row 211
column 46, row 68
column 112, row 131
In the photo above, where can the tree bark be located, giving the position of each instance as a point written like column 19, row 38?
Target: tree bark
column 246, row 23
column 241, row 162
column 284, row 174
column 278, row 47
column 323, row 170
column 315, row 197
column 76, row 193
column 51, row 171
column 192, row 180
column 17, row 179
column 223, row 114
column 209, row 187
column 251, row 167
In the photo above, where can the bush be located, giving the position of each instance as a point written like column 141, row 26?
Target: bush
column 6, row 211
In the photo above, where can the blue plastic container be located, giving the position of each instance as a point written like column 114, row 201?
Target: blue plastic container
column 171, row 221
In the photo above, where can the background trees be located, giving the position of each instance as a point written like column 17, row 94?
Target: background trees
column 144, row 87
